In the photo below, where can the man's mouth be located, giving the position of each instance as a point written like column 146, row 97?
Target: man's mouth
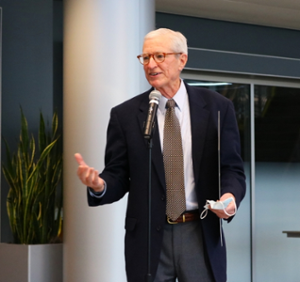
column 154, row 73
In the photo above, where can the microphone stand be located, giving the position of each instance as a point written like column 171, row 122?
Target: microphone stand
column 219, row 172
column 148, row 276
column 148, row 137
column 149, row 127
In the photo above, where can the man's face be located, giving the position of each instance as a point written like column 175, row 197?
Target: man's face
column 163, row 76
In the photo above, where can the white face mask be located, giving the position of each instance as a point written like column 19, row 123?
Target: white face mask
column 219, row 205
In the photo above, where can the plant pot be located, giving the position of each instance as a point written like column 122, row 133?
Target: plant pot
column 31, row 263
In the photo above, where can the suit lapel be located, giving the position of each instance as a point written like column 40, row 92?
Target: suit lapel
column 157, row 158
column 199, row 122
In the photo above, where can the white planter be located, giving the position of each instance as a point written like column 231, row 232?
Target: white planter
column 31, row 263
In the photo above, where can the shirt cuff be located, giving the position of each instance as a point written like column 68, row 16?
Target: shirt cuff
column 97, row 195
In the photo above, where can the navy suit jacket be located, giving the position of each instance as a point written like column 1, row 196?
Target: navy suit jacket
column 126, row 170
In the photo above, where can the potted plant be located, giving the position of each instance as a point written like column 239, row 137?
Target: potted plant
column 34, row 202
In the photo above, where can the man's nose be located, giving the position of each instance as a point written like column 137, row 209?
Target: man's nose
column 152, row 63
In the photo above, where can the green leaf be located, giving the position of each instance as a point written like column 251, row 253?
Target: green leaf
column 34, row 178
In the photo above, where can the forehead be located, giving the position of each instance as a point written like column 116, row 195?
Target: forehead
column 157, row 44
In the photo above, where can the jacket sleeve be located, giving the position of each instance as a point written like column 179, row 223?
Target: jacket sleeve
column 232, row 170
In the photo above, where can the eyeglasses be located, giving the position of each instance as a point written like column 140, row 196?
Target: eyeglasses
column 158, row 57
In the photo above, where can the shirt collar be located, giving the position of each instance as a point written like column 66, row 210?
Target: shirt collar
column 179, row 98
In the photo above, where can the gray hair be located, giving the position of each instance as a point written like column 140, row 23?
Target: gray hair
column 178, row 39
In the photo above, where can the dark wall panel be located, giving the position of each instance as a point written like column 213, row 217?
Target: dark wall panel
column 28, row 79
column 234, row 37
column 238, row 48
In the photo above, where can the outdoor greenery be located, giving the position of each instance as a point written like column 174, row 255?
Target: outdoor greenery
column 34, row 201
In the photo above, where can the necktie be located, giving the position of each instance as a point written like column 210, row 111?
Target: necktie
column 173, row 163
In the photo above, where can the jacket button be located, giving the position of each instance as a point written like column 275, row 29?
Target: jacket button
column 163, row 197
column 158, row 228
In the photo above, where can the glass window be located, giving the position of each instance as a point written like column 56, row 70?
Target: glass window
column 277, row 183
column 268, row 115
column 237, row 233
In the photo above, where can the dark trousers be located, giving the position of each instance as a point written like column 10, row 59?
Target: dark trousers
column 182, row 255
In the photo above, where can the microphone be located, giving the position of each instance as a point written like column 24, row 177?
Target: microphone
column 154, row 98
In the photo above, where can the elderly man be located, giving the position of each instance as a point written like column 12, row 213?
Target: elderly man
column 184, row 170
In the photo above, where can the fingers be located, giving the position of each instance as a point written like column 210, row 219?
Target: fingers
column 79, row 159
column 91, row 177
column 88, row 175
column 226, row 196
column 230, row 209
column 220, row 213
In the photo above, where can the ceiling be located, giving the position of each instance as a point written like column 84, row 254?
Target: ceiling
column 276, row 13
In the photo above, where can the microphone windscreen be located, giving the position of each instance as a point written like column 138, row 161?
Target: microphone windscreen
column 155, row 94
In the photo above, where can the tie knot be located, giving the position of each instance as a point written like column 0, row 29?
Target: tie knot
column 170, row 104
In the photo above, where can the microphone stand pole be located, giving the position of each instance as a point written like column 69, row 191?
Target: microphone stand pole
column 148, row 133
column 219, row 172
column 148, row 277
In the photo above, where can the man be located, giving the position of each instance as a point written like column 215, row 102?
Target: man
column 184, row 247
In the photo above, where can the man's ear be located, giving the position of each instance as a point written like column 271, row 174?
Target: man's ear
column 183, row 60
